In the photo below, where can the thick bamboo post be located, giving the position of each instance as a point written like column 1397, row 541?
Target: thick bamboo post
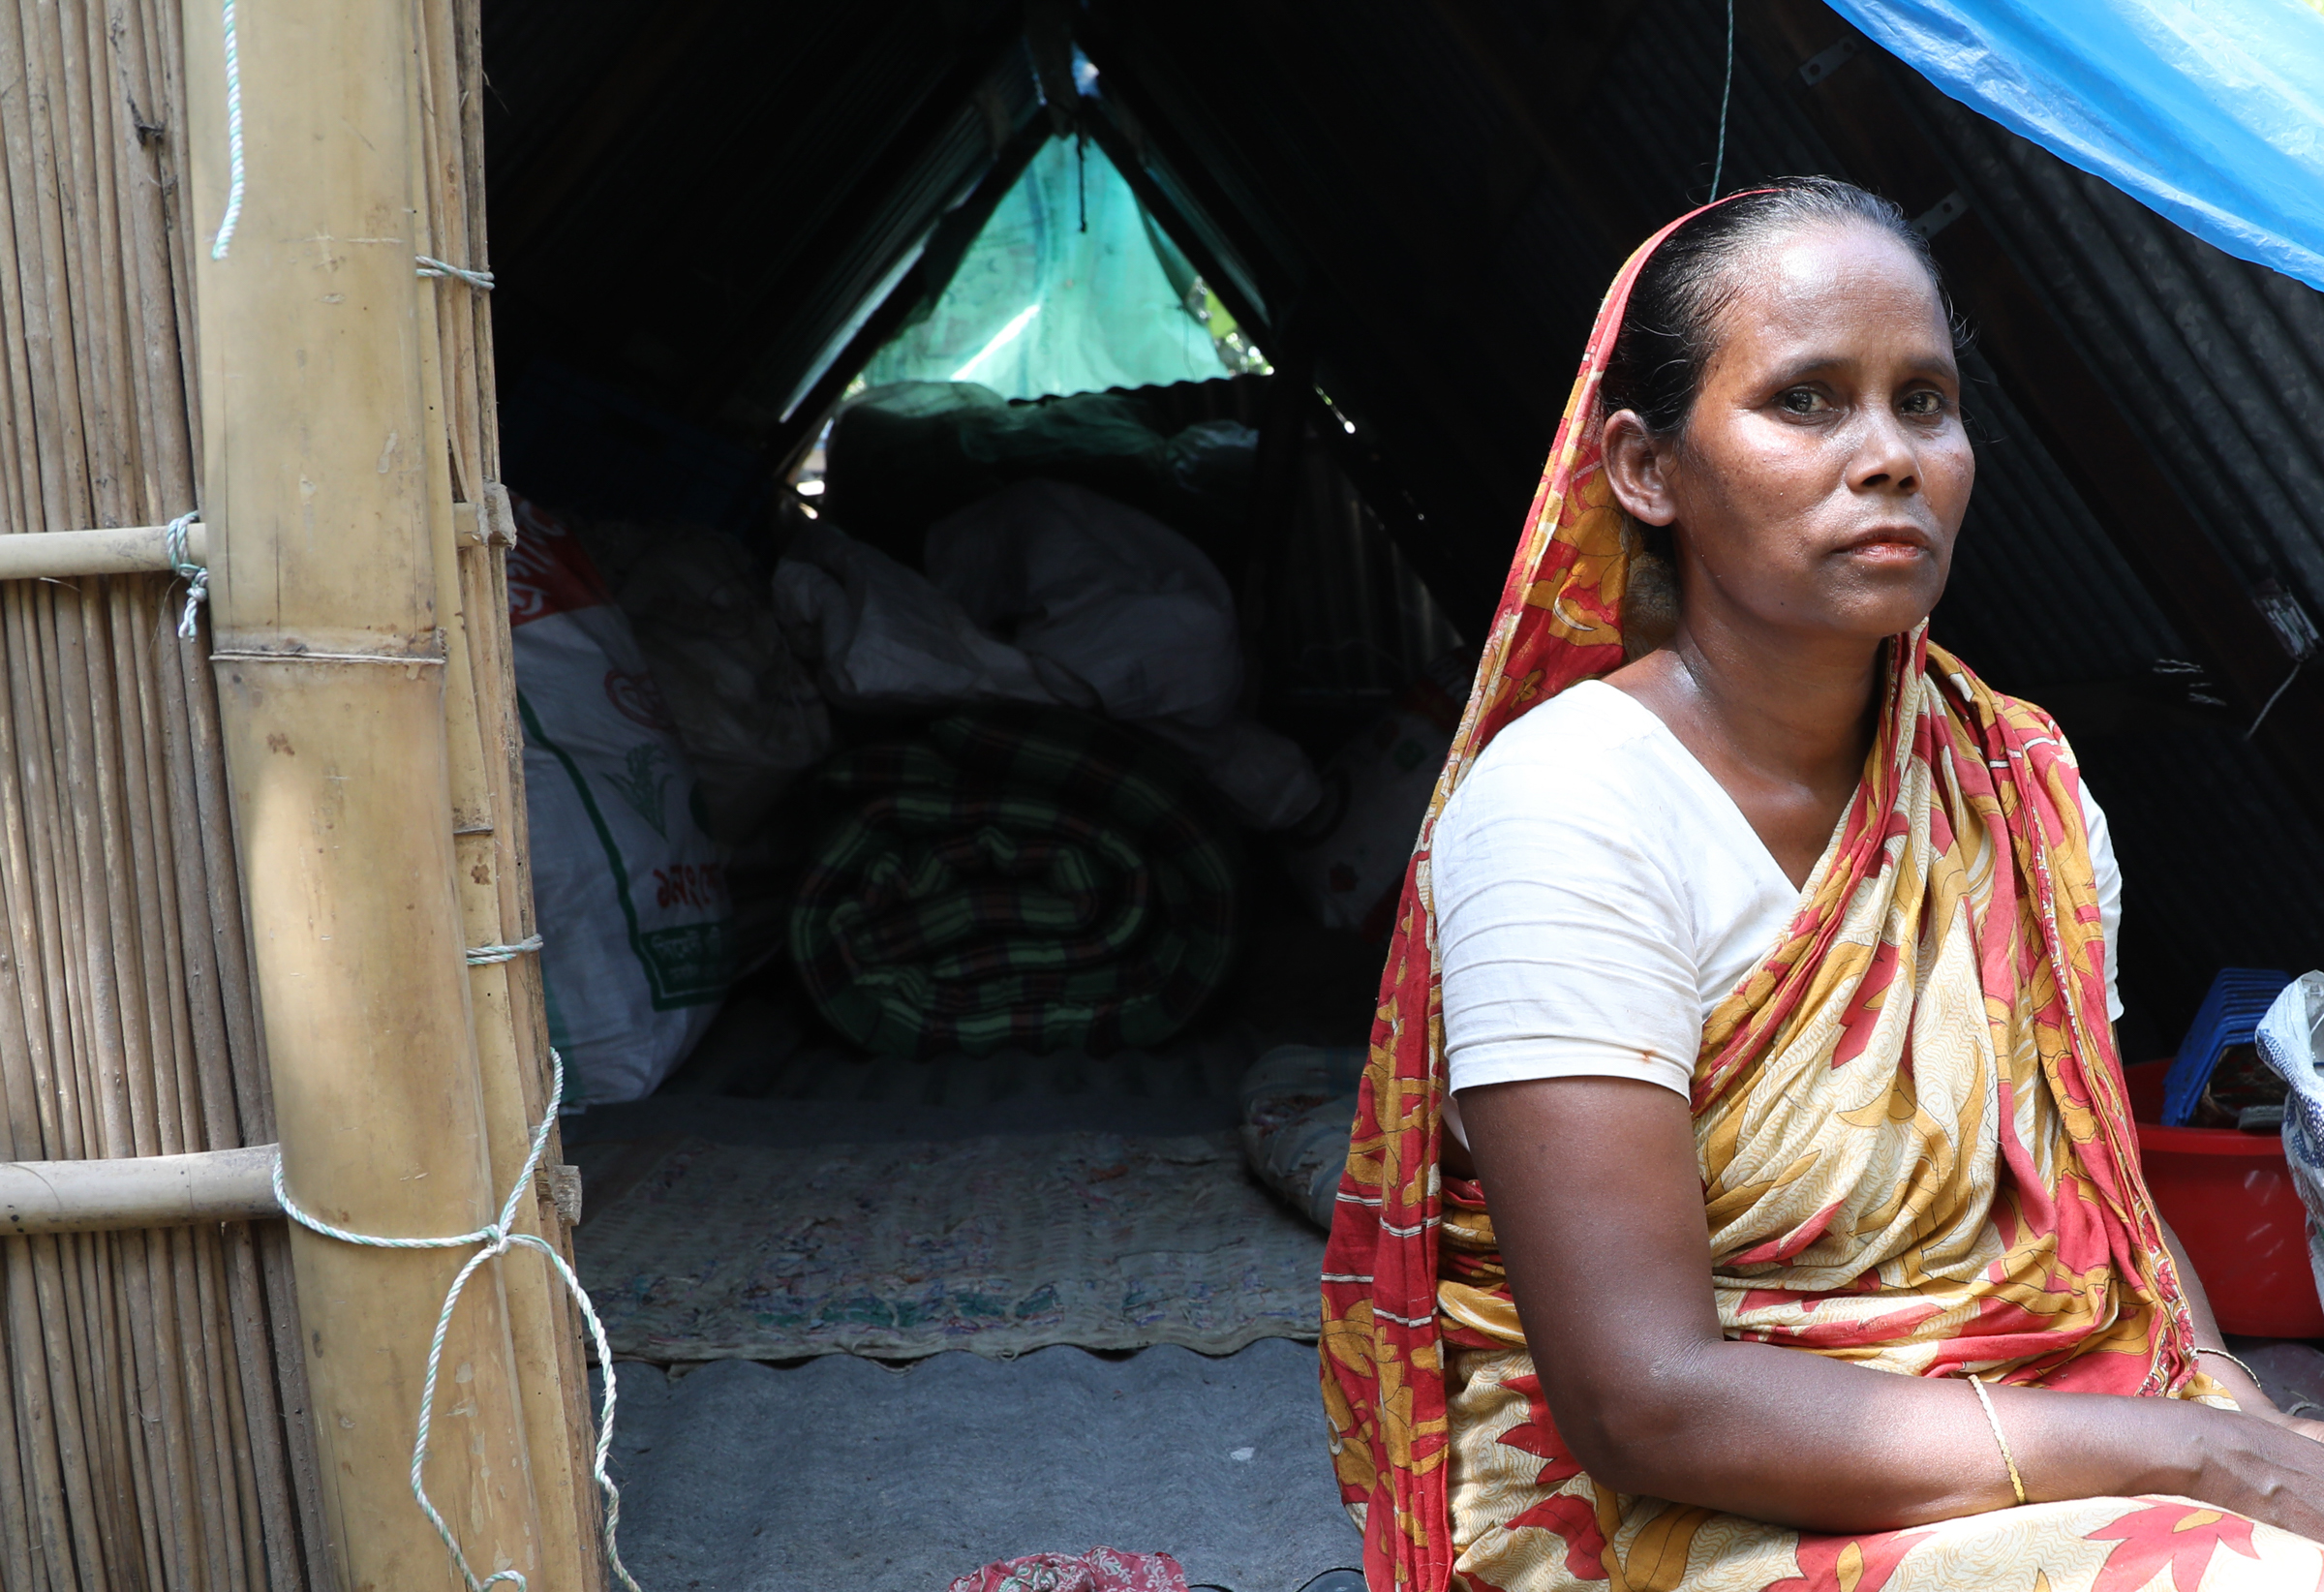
column 330, row 674
column 543, row 1327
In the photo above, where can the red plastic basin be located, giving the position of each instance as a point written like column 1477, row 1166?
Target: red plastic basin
column 2229, row 1197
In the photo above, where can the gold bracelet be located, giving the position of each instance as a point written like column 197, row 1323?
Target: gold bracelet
column 1985, row 1398
column 2206, row 1349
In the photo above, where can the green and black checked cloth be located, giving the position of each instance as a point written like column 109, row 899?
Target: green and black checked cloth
column 1021, row 877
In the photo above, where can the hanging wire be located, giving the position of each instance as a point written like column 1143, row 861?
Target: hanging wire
column 2268, row 708
column 1727, row 91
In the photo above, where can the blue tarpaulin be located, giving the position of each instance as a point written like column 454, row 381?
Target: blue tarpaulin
column 2210, row 111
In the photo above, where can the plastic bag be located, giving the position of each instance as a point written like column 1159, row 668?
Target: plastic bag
column 1117, row 610
column 1376, row 789
column 880, row 637
column 750, row 717
column 1215, row 462
column 2291, row 1041
column 1265, row 780
column 628, row 890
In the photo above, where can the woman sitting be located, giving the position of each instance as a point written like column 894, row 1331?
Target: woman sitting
column 1743, row 1082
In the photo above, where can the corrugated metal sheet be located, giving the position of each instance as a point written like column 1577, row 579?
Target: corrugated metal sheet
column 2218, row 362
column 693, row 201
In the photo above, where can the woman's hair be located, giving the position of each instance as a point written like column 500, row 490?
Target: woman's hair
column 1670, row 333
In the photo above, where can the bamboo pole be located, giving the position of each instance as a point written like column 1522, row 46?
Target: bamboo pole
column 108, row 550
column 217, row 1185
column 480, row 717
column 331, row 684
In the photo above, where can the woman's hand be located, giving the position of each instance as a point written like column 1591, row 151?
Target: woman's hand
column 1597, row 1201
column 2313, row 1430
column 2251, row 1397
column 2261, row 1467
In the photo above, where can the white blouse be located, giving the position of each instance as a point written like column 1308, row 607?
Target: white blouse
column 1598, row 893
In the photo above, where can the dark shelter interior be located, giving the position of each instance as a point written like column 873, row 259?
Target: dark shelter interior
column 708, row 218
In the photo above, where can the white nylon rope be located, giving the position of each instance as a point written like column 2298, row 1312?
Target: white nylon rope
column 492, row 1241
column 233, row 141
column 197, row 578
column 480, row 280
column 484, row 955
column 236, row 184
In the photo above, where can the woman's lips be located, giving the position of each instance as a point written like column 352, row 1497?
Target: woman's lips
column 1887, row 546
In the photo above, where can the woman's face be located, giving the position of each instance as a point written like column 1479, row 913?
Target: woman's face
column 1821, row 478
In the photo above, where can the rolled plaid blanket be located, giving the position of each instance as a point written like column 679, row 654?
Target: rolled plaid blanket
column 1021, row 877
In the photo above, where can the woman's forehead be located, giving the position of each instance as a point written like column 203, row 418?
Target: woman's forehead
column 1829, row 284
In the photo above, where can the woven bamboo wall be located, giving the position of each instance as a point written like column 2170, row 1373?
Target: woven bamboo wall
column 154, row 1431
column 157, row 1426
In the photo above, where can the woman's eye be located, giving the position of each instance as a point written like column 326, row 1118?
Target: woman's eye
column 1802, row 401
column 1925, row 404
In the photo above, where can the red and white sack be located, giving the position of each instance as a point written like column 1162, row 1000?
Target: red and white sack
column 630, row 893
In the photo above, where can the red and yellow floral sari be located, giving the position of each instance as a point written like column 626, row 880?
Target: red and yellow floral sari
column 1915, row 1152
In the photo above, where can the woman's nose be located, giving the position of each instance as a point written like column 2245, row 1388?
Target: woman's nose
column 1884, row 454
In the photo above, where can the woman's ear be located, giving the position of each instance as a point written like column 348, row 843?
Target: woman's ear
column 1636, row 468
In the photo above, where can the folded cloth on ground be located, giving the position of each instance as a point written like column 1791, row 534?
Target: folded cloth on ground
column 1100, row 1570
column 1023, row 876
column 1298, row 1102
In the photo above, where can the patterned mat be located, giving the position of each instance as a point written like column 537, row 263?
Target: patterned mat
column 999, row 1245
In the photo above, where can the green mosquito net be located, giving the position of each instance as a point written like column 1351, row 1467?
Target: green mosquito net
column 1069, row 287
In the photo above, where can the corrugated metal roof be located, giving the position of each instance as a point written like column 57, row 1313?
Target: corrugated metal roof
column 2218, row 362
column 694, row 199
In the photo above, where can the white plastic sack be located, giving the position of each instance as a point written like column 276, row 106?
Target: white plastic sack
column 749, row 719
column 630, row 893
column 880, row 636
column 1265, row 780
column 1380, row 783
column 2291, row 1041
column 1117, row 610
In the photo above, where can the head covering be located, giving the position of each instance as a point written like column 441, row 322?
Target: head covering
column 1957, row 771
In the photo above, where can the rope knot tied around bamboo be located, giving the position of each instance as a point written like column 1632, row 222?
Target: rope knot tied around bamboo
column 493, row 1239
column 479, row 280
column 197, row 576
column 484, row 955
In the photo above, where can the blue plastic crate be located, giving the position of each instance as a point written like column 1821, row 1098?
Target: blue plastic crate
column 2230, row 1014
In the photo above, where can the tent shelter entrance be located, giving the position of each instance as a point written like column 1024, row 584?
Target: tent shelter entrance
column 1410, row 218
column 1417, row 224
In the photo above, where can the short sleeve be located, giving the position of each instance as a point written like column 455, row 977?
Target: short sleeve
column 2107, row 873
column 1562, row 942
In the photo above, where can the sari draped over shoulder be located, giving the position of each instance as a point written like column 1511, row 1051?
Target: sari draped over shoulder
column 1914, row 1142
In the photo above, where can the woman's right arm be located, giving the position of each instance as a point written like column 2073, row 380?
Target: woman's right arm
column 1597, row 1203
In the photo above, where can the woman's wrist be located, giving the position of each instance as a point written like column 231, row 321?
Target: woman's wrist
column 2226, row 1464
column 2241, row 1380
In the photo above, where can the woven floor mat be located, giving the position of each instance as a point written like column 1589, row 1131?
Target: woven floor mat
column 997, row 1245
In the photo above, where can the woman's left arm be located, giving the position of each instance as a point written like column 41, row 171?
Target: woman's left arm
column 2228, row 1373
